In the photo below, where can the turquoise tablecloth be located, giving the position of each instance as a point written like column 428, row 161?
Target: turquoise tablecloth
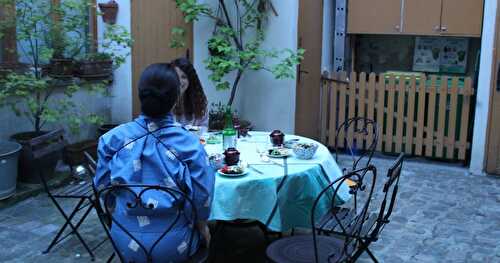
column 254, row 195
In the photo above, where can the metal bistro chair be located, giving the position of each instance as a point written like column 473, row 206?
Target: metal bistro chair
column 137, row 194
column 350, row 225
column 359, row 137
column 78, row 190
column 377, row 221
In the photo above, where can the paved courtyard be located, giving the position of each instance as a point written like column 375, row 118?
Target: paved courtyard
column 443, row 215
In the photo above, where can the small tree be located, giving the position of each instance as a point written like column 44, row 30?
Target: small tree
column 235, row 45
column 43, row 29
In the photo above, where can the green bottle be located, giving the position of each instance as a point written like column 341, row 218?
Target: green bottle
column 229, row 134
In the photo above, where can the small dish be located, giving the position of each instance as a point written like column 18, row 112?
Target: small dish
column 232, row 171
column 278, row 152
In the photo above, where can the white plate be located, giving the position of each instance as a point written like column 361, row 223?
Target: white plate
column 279, row 156
column 232, row 175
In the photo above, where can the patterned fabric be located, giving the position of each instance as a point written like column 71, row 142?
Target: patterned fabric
column 175, row 158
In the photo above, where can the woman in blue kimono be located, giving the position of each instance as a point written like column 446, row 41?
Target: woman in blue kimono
column 155, row 150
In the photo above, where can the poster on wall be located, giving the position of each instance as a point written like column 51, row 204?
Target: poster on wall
column 438, row 54
column 454, row 55
column 427, row 54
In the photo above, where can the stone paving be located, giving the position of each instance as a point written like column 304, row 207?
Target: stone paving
column 443, row 215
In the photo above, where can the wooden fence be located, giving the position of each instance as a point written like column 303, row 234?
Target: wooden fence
column 416, row 115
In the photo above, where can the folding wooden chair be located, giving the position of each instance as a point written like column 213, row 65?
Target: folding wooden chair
column 81, row 191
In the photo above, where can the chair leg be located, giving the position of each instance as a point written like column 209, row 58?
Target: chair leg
column 56, row 239
column 73, row 228
column 111, row 258
column 374, row 259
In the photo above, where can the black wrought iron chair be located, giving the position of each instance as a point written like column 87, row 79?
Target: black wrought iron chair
column 349, row 225
column 79, row 190
column 136, row 201
column 358, row 137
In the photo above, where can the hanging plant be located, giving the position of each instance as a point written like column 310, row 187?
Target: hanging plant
column 109, row 12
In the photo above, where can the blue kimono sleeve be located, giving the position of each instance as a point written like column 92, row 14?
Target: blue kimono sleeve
column 104, row 155
column 202, row 181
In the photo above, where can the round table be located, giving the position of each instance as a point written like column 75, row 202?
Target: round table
column 256, row 196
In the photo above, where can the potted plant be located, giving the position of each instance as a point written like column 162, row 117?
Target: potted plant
column 109, row 11
column 60, row 66
column 115, row 47
column 216, row 120
column 235, row 48
column 95, row 66
column 38, row 98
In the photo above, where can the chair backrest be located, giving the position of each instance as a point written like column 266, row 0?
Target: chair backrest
column 91, row 163
column 136, row 200
column 348, row 220
column 358, row 137
column 390, row 190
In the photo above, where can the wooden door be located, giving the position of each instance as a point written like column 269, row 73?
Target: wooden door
column 422, row 17
column 462, row 17
column 374, row 16
column 493, row 153
column 152, row 23
column 307, row 107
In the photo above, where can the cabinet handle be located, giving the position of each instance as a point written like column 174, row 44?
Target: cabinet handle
column 444, row 28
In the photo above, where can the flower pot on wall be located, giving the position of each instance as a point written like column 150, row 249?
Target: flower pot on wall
column 40, row 153
column 12, row 67
column 109, row 11
column 61, row 68
column 99, row 69
column 9, row 153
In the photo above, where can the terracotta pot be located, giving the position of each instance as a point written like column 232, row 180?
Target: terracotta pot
column 61, row 68
column 94, row 69
column 12, row 67
column 109, row 11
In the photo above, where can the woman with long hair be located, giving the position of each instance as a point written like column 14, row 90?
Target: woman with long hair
column 154, row 150
column 191, row 108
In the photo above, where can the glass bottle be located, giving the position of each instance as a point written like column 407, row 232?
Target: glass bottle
column 229, row 134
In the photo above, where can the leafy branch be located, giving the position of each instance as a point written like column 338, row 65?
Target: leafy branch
column 236, row 43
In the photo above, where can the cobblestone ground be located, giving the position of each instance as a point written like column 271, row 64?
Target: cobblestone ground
column 443, row 215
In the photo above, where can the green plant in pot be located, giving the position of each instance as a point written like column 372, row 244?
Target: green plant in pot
column 43, row 101
column 68, row 35
column 115, row 48
column 235, row 46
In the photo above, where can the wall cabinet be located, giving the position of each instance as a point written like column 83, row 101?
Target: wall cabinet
column 416, row 17
column 369, row 16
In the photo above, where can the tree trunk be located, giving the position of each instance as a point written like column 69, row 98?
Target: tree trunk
column 235, row 87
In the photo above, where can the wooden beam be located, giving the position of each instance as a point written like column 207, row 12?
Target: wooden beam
column 9, row 40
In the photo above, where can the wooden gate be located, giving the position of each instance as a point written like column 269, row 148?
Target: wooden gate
column 416, row 115
column 152, row 22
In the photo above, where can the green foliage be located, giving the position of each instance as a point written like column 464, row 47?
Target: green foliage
column 178, row 35
column 236, row 43
column 116, row 43
column 42, row 99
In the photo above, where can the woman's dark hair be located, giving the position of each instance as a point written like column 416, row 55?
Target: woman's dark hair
column 158, row 89
column 194, row 101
